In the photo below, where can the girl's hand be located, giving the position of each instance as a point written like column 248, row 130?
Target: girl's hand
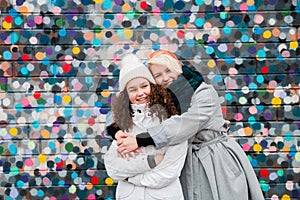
column 120, row 134
column 127, row 145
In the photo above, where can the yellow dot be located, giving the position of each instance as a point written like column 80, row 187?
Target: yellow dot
column 76, row 50
column 6, row 25
column 267, row 34
column 105, row 93
column 45, row 133
column 297, row 157
column 294, row 44
column 172, row 23
column 126, row 7
column 13, row 131
column 257, row 147
column 109, row 181
column 211, row 63
column 66, row 99
column 128, row 33
column 89, row 186
column 98, row 1
column 285, row 197
column 276, row 101
column 42, row 158
column 248, row 131
column 39, row 55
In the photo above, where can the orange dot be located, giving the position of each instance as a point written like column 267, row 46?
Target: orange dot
column 286, row 149
column 276, row 32
column 89, row 186
column 88, row 36
column 23, row 10
column 126, row 7
column 172, row 23
column 45, row 133
column 248, row 131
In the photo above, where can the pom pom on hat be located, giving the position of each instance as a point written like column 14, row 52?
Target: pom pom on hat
column 132, row 67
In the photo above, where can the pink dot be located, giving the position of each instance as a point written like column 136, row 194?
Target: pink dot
column 52, row 198
column 238, row 117
column 38, row 19
column 24, row 102
column 91, row 197
column 46, row 181
column 56, row 10
column 55, row 130
column 253, row 110
column 28, row 162
column 156, row 11
column 77, row 86
column 243, row 7
column 232, row 71
column 265, row 132
column 246, row 147
column 258, row 19
column 119, row 17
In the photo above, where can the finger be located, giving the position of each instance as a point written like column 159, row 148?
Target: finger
column 132, row 154
column 119, row 142
column 138, row 151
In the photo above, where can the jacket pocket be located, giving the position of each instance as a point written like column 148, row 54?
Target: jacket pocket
column 124, row 190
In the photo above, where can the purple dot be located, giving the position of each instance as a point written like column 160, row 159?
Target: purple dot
column 267, row 116
column 24, row 179
column 118, row 2
column 30, row 23
column 49, row 51
column 252, row 50
column 160, row 4
column 247, row 79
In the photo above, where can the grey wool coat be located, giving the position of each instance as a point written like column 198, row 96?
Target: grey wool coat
column 216, row 167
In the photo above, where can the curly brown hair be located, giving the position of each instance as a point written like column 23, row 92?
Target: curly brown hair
column 159, row 101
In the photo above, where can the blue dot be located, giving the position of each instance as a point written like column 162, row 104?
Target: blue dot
column 228, row 96
column 245, row 38
column 257, row 30
column 96, row 42
column 24, row 71
column 35, row 124
column 252, row 86
column 199, row 2
column 106, row 24
column 190, row 43
column 199, row 22
column 260, row 79
column 218, row 78
column 12, row 149
column 20, row 184
column 46, row 61
column 209, row 50
column 62, row 32
column 107, row 4
column 227, row 30
column 51, row 145
column 165, row 16
column 18, row 21
column 40, row 193
column 7, row 55
column 225, row 3
column 74, row 175
column 18, row 107
column 251, row 120
column 254, row 162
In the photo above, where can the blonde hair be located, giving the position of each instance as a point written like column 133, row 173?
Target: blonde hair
column 165, row 58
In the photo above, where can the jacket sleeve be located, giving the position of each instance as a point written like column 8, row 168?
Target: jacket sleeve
column 120, row 168
column 178, row 128
column 166, row 172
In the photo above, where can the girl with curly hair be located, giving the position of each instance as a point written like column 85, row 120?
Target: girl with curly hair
column 154, row 173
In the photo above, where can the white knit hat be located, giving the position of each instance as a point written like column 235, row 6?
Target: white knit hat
column 132, row 67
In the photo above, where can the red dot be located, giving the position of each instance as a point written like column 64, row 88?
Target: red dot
column 265, row 70
column 37, row 95
column 25, row 57
column 180, row 34
column 264, row 173
column 224, row 110
column 144, row 5
column 94, row 180
column 67, row 68
column 8, row 19
column 60, row 164
column 91, row 121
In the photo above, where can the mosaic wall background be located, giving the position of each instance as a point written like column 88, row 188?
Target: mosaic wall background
column 59, row 68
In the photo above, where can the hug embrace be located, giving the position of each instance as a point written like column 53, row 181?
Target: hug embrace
column 170, row 137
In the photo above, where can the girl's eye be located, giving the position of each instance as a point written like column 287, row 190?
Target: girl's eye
column 156, row 76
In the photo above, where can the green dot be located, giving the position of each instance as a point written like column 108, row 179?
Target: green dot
column 60, row 22
column 280, row 172
column 4, row 87
column 69, row 147
column 97, row 29
column 1, row 150
column 41, row 101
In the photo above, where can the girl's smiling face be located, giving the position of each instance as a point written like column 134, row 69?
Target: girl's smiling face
column 138, row 90
column 163, row 75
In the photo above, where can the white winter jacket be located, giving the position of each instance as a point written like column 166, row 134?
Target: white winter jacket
column 144, row 183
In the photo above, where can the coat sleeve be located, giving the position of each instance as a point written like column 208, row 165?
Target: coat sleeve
column 166, row 172
column 120, row 168
column 178, row 128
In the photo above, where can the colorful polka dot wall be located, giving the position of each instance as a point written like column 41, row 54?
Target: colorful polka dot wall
column 59, row 67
